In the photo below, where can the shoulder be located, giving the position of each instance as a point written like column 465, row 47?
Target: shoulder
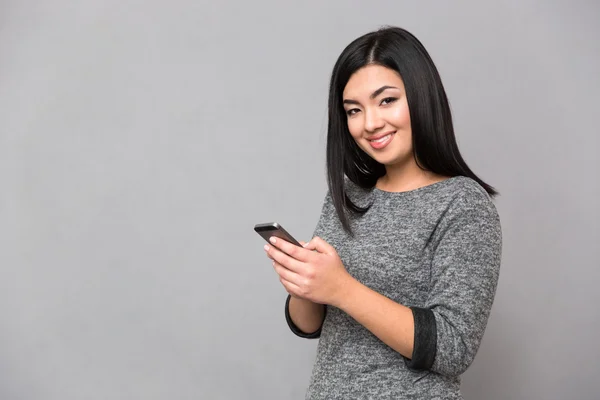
column 467, row 203
column 465, row 193
column 469, row 224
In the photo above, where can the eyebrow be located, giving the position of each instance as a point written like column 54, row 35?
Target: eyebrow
column 373, row 95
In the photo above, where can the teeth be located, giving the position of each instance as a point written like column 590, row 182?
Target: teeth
column 383, row 139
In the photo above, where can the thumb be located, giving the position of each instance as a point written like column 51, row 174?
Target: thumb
column 319, row 245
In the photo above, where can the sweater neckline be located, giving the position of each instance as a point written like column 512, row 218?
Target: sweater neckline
column 419, row 190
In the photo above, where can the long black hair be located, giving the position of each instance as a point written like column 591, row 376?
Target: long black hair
column 434, row 144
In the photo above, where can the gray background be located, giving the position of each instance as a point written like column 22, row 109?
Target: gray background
column 140, row 141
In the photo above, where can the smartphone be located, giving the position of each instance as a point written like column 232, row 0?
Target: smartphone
column 274, row 229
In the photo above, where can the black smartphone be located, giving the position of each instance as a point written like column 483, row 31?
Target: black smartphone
column 274, row 229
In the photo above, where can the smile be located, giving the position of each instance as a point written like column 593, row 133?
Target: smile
column 382, row 142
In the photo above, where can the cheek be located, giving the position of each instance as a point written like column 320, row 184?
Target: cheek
column 355, row 127
column 400, row 115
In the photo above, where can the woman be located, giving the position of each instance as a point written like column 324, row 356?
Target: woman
column 400, row 276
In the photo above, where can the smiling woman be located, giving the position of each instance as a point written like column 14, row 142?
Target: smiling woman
column 400, row 276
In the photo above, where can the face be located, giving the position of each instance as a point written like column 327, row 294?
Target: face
column 378, row 116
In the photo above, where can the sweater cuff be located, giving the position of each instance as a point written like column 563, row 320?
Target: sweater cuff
column 297, row 330
column 425, row 341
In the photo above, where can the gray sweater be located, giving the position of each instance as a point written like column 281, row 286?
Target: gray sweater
column 435, row 249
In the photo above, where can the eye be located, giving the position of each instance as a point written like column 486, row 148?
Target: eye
column 388, row 100
column 352, row 112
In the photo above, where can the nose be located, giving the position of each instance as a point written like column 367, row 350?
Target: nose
column 373, row 120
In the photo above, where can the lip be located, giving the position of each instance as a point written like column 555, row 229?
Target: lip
column 384, row 144
column 375, row 137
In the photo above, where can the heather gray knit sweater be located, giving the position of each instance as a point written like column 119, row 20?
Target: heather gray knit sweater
column 435, row 249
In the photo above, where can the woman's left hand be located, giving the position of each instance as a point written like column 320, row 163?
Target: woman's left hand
column 318, row 276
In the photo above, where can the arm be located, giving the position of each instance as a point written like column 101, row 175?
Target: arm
column 304, row 317
column 408, row 330
column 465, row 272
column 391, row 322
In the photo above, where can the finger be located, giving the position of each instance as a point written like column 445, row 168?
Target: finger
column 285, row 273
column 290, row 287
column 282, row 258
column 320, row 246
column 267, row 247
column 291, row 250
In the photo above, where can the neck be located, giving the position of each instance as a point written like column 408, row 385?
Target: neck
column 407, row 176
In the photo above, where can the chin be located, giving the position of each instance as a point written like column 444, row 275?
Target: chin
column 393, row 159
column 394, row 154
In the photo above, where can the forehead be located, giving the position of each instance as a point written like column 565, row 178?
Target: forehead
column 370, row 78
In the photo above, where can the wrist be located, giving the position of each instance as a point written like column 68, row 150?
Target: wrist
column 347, row 289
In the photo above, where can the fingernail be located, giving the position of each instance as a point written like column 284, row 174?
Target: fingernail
column 266, row 247
column 273, row 240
